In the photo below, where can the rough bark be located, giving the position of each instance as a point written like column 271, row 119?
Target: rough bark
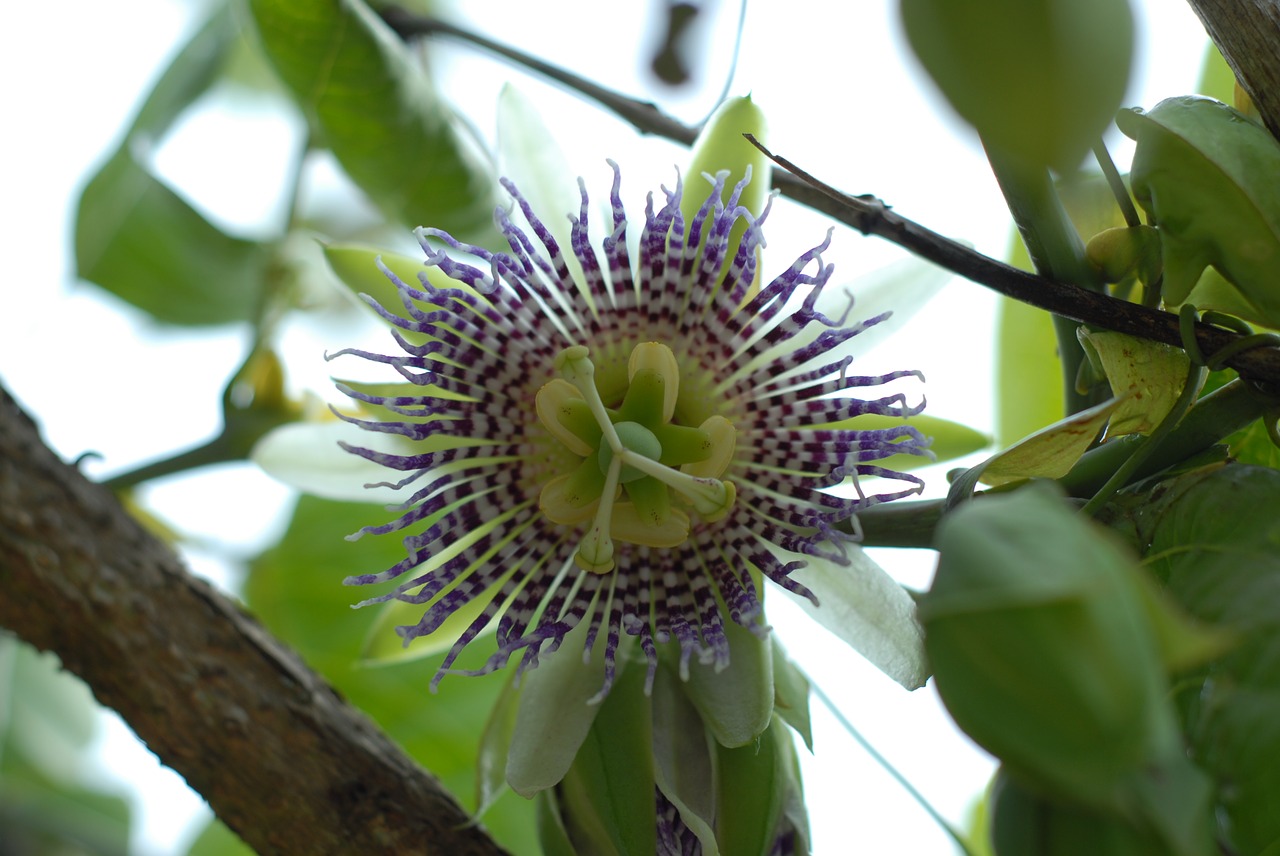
column 280, row 756
column 1248, row 34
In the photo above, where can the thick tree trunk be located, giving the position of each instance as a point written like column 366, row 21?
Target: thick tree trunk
column 281, row 758
column 1248, row 34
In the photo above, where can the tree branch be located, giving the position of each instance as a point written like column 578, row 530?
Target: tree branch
column 1247, row 32
column 872, row 216
column 280, row 756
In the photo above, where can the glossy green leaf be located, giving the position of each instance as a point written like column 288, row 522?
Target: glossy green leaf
column 369, row 99
column 751, row 793
column 1052, row 451
column 218, row 840
column 1148, row 376
column 138, row 239
column 1038, row 78
column 735, row 703
column 607, row 797
column 1213, row 538
column 557, row 706
column 1210, row 178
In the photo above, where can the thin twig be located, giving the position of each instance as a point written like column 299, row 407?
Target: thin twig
column 871, row 216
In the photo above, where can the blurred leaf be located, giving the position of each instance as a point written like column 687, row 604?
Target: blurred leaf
column 296, row 589
column 140, row 240
column 218, row 840
column 368, row 98
column 1051, row 451
column 1038, row 78
column 1028, row 372
column 1213, row 538
column 951, row 440
column 1217, row 80
column 47, row 720
column 195, row 68
column 495, row 746
column 1210, row 179
column 1149, row 376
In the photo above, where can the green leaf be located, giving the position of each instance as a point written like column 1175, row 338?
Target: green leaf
column 1038, row 78
column 951, row 440
column 1210, row 178
column 138, row 239
column 1056, row 672
column 368, row 98
column 1213, row 538
column 218, row 840
column 142, row 242
column 682, row 755
column 47, row 721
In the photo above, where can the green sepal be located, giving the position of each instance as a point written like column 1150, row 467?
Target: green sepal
column 555, row 711
column 607, row 797
column 751, row 792
column 736, row 703
column 682, row 758
column 1058, row 673
column 791, row 693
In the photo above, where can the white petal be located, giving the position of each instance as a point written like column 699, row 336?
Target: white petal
column 306, row 455
column 869, row 610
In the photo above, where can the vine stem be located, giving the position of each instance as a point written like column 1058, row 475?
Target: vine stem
column 871, row 216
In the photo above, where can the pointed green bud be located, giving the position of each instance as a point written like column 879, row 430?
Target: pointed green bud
column 721, row 145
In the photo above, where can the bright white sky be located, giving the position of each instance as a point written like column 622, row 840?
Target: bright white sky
column 855, row 112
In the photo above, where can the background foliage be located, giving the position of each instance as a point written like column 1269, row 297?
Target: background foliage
column 366, row 99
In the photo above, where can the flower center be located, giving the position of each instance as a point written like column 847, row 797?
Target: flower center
column 633, row 458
